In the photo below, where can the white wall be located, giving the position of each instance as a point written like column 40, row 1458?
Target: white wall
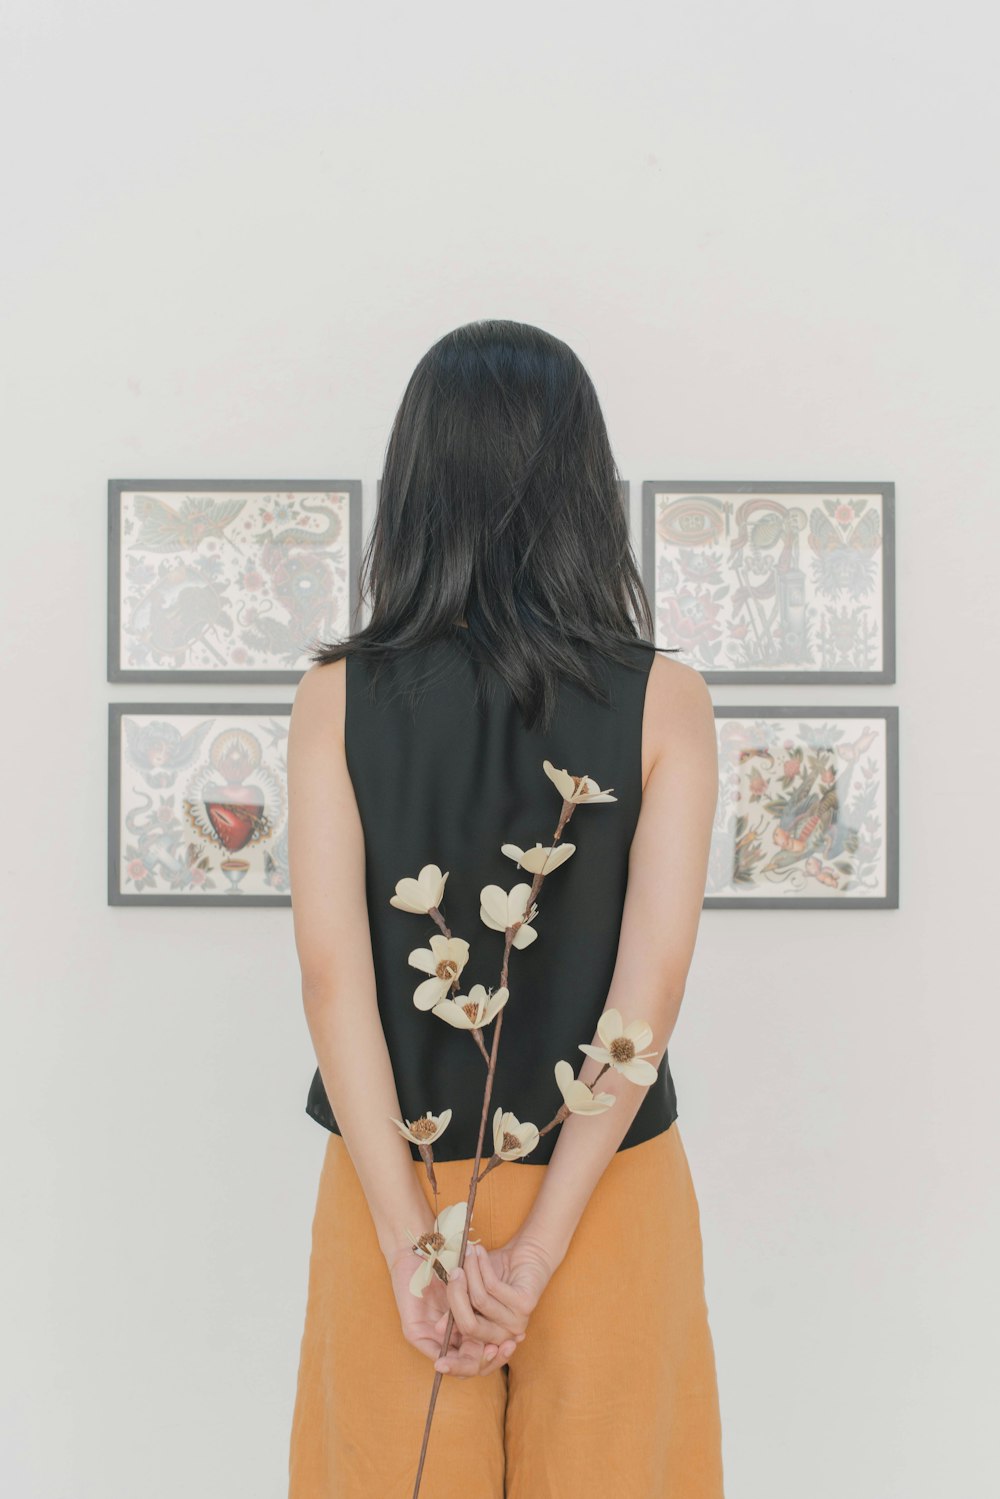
column 770, row 231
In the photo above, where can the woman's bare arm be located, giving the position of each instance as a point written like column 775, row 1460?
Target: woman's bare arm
column 333, row 940
column 668, row 863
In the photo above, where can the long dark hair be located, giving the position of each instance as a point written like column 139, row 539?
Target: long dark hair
column 500, row 505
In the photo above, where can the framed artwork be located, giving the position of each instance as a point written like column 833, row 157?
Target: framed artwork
column 773, row 582
column 214, row 580
column 198, row 804
column 808, row 810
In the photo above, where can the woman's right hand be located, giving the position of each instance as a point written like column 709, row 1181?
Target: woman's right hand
column 492, row 1299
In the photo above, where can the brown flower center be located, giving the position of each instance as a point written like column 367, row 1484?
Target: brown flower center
column 431, row 1241
column 424, row 1129
column 447, row 969
column 510, row 1142
column 622, row 1049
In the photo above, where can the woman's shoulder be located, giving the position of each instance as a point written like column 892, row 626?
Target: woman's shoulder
column 678, row 718
column 318, row 704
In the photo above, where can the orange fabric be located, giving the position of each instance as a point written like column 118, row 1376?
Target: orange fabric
column 613, row 1391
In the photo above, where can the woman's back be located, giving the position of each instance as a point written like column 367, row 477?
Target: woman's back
column 445, row 775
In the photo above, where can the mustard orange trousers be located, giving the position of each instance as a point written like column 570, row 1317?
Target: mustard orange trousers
column 612, row 1392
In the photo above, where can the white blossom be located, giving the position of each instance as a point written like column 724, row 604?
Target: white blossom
column 426, row 1129
column 444, row 961
column 472, row 1011
column 579, row 1099
column 441, row 1245
column 576, row 788
column 501, row 909
column 539, row 857
column 511, row 1139
column 622, row 1047
column 421, row 895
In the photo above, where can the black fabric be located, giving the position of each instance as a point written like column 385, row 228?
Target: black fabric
column 447, row 782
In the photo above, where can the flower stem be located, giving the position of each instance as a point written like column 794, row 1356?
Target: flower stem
column 561, row 1113
column 509, row 935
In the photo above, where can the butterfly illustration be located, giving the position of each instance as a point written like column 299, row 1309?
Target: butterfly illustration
column 164, row 528
column 844, row 559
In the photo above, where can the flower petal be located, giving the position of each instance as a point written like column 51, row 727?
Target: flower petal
column 517, row 902
column 493, row 907
column 597, row 1052
column 424, row 959
column 639, row 1032
column 430, row 993
column 451, row 1219
column 558, row 855
column 564, row 1076
column 524, row 936
column 609, row 1026
column 454, row 1013
column 409, row 896
column 421, row 1278
column 638, row 1071
column 432, row 882
column 561, row 779
column 494, row 1004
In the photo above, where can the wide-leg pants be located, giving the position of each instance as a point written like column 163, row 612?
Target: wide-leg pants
column 612, row 1392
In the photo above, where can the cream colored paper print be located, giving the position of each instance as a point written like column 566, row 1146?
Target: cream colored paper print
column 806, row 809
column 231, row 581
column 201, row 806
column 772, row 582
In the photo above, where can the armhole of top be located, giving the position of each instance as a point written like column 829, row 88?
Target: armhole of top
column 348, row 721
column 644, row 699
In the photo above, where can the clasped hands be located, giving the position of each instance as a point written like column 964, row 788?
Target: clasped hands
column 491, row 1298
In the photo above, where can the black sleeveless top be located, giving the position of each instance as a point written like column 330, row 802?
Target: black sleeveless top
column 446, row 780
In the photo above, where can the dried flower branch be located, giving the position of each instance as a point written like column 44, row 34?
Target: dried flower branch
column 512, row 912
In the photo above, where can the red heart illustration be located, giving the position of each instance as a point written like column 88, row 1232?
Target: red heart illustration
column 234, row 818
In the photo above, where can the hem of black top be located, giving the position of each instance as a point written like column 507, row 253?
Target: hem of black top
column 323, row 1115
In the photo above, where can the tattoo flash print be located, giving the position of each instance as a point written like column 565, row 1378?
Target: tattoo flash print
column 198, row 804
column 789, row 582
column 807, row 808
column 228, row 582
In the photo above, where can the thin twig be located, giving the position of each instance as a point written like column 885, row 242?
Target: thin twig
column 509, row 935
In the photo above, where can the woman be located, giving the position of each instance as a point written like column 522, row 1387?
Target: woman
column 500, row 664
